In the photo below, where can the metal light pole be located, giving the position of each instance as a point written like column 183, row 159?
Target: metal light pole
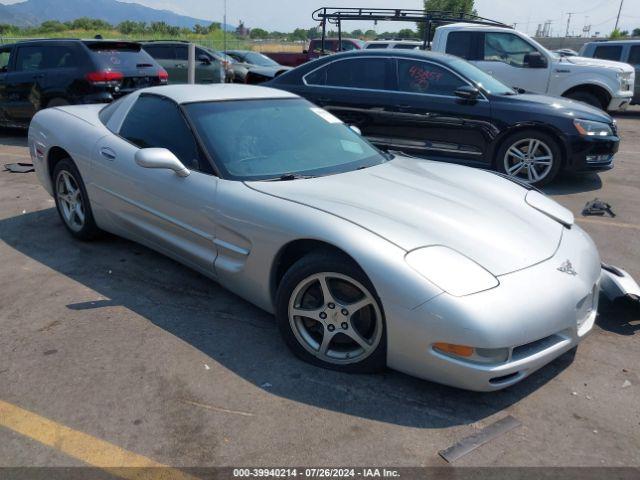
column 224, row 26
column 619, row 11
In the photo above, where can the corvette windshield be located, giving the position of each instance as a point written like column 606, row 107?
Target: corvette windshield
column 278, row 139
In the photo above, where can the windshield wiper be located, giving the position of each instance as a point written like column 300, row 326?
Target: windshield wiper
column 289, row 176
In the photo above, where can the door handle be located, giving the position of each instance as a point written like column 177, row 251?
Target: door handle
column 108, row 153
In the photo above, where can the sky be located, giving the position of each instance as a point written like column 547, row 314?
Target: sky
column 285, row 15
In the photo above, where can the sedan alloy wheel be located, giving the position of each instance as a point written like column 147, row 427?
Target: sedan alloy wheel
column 529, row 159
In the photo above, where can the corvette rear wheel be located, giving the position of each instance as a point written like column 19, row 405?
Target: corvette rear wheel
column 531, row 156
column 72, row 201
column 329, row 315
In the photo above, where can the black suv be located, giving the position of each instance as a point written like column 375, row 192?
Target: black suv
column 36, row 74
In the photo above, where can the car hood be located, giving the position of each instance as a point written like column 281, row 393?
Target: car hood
column 415, row 203
column 557, row 106
column 598, row 62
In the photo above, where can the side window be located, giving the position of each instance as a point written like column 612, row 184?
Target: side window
column 182, row 53
column 424, row 77
column 29, row 59
column 155, row 121
column 347, row 46
column 377, row 45
column 60, row 57
column 634, row 55
column 507, row 48
column 368, row 73
column 164, row 52
column 5, row 56
column 465, row 45
column 608, row 52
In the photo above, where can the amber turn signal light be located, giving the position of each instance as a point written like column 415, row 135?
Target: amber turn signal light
column 450, row 348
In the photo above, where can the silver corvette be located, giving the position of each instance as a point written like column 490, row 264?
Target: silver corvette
column 367, row 259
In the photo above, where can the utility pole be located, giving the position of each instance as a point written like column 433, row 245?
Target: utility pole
column 619, row 11
column 568, row 24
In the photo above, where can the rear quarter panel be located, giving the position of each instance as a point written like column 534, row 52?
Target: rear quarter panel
column 74, row 129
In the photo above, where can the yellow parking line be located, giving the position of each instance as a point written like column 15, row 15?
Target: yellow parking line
column 611, row 224
column 86, row 448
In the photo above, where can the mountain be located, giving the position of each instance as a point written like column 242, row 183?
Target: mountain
column 34, row 12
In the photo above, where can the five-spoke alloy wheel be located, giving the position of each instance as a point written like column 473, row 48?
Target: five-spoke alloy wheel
column 329, row 314
column 72, row 200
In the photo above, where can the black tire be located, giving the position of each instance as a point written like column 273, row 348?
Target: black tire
column 547, row 142
column 588, row 98
column 57, row 102
column 318, row 263
column 88, row 229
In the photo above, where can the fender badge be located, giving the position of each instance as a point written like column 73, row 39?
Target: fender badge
column 566, row 267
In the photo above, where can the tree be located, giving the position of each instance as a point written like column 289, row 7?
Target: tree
column 370, row 34
column 619, row 34
column 357, row 33
column 258, row 33
column 200, row 30
column 407, row 33
column 298, row 34
column 53, row 26
column 636, row 32
column 452, row 6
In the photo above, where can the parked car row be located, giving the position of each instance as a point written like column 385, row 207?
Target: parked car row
column 45, row 73
column 425, row 104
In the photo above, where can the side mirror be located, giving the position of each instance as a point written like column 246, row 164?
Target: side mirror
column 467, row 92
column 355, row 129
column 160, row 158
column 204, row 59
column 535, row 60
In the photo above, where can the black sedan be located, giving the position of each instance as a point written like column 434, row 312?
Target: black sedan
column 443, row 108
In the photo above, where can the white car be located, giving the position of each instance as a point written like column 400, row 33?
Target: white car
column 520, row 62
column 397, row 44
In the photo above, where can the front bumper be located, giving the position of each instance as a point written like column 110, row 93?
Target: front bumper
column 537, row 314
column 588, row 154
column 621, row 101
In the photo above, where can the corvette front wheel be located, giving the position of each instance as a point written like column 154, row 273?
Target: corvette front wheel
column 329, row 315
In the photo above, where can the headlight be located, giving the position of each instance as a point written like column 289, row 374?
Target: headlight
column 451, row 271
column 590, row 128
column 625, row 79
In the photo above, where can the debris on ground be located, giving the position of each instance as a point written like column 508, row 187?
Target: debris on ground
column 207, row 367
column 266, row 385
column 19, row 167
column 598, row 208
column 626, row 384
column 470, row 443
